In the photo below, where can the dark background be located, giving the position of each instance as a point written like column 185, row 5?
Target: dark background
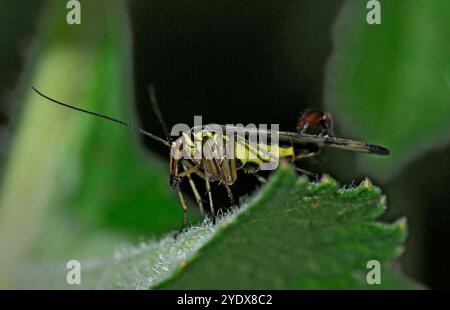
column 250, row 62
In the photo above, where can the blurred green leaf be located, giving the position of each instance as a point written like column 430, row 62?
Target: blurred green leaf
column 390, row 83
column 292, row 235
column 71, row 178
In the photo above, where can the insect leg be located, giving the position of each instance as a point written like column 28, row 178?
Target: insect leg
column 230, row 194
column 208, row 191
column 306, row 155
column 188, row 169
column 224, row 179
column 183, row 205
column 308, row 173
column 194, row 190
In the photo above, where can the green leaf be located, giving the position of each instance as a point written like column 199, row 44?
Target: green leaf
column 390, row 83
column 292, row 235
column 299, row 235
column 70, row 179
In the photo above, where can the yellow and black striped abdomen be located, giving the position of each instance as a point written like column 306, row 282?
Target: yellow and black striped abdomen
column 250, row 157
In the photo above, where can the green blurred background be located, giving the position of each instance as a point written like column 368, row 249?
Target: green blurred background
column 73, row 184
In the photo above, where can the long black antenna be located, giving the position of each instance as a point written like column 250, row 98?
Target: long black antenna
column 157, row 111
column 137, row 129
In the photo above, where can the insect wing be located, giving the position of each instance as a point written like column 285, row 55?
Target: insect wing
column 342, row 143
column 321, row 141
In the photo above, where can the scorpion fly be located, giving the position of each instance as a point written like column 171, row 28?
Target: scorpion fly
column 314, row 131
